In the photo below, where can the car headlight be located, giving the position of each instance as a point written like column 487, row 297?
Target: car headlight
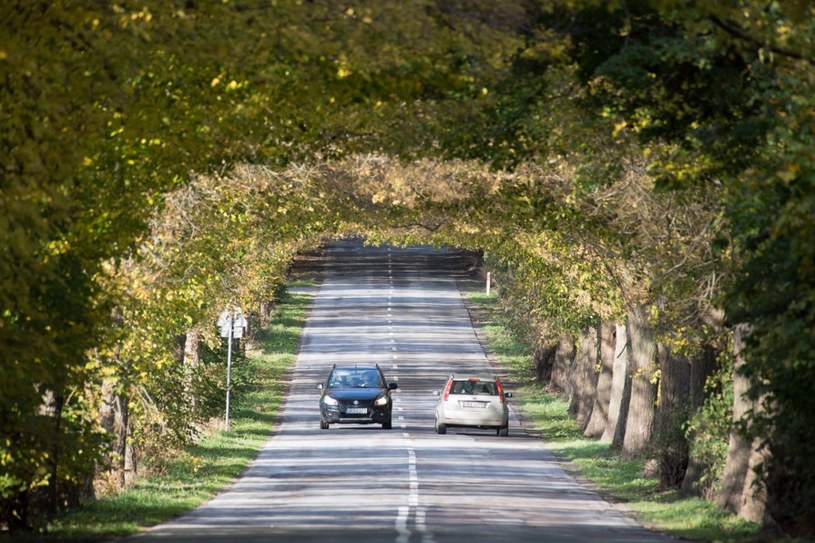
column 328, row 400
column 382, row 400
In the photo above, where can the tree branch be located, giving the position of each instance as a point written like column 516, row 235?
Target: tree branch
column 738, row 32
column 420, row 225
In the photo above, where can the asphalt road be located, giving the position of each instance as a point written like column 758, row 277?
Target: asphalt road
column 399, row 308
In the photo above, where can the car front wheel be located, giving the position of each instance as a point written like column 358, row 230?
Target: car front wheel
column 323, row 425
column 388, row 424
column 503, row 431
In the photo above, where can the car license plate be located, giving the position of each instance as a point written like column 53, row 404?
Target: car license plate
column 356, row 410
column 474, row 404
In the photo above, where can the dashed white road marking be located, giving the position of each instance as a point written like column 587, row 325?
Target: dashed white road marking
column 401, row 525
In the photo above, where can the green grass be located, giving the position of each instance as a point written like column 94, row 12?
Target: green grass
column 204, row 468
column 617, row 480
column 304, row 281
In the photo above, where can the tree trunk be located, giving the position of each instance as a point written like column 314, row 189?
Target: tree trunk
column 107, row 411
column 620, row 390
column 700, row 369
column 641, row 408
column 671, row 415
column 178, row 348
column 266, row 310
column 107, row 421
column 122, row 425
column 54, row 402
column 544, row 362
column 584, row 377
column 755, row 494
column 742, row 492
column 563, row 362
column 130, row 463
column 599, row 412
column 192, row 356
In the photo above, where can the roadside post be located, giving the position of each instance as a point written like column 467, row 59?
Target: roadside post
column 232, row 324
column 489, row 276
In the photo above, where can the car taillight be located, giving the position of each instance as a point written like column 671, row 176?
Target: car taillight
column 500, row 391
column 447, row 389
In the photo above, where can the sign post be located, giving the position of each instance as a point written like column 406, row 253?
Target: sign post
column 232, row 325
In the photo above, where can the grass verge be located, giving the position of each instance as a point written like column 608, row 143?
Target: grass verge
column 203, row 469
column 617, row 480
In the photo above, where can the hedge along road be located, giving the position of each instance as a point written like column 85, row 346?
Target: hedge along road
column 400, row 308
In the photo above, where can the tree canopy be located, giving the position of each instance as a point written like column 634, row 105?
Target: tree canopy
column 164, row 160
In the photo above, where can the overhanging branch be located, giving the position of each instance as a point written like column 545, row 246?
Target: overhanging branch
column 738, row 32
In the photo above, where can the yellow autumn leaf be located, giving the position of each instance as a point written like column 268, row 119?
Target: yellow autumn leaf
column 790, row 173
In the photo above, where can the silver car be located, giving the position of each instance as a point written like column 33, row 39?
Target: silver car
column 473, row 401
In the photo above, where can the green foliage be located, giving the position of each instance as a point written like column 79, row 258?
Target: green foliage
column 723, row 94
column 708, row 430
column 601, row 154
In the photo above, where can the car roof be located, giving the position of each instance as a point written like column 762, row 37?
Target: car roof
column 474, row 377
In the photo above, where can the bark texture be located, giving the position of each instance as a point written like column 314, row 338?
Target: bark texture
column 672, row 412
column 742, row 491
column 192, row 357
column 564, row 357
column 641, row 407
column 124, row 449
column 584, row 377
column 620, row 390
column 602, row 398
column 544, row 362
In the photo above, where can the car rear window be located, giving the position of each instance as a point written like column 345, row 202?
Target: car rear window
column 474, row 387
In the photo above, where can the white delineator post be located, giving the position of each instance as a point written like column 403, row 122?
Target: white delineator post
column 229, row 365
column 489, row 275
column 232, row 325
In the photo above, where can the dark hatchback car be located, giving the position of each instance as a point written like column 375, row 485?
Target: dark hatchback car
column 356, row 395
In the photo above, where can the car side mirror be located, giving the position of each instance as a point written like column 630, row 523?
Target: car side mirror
column 319, row 386
column 393, row 386
column 507, row 394
column 436, row 392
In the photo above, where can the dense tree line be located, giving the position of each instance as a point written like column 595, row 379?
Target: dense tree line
column 639, row 176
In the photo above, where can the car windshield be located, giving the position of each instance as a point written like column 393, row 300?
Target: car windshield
column 474, row 387
column 355, row 378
